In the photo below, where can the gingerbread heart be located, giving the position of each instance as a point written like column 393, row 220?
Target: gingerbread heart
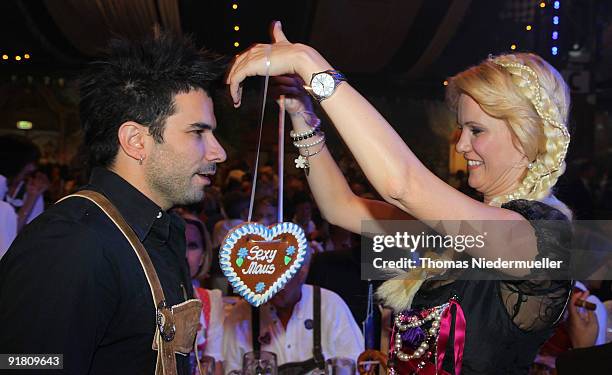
column 258, row 261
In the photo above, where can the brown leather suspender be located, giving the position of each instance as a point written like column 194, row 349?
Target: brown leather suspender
column 166, row 325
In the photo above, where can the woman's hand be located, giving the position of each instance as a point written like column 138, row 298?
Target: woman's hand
column 284, row 58
column 296, row 97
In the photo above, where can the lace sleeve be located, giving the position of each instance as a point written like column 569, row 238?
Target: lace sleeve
column 539, row 302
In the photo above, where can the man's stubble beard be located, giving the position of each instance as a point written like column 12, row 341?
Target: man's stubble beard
column 168, row 177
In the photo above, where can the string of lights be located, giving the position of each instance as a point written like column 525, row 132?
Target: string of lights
column 26, row 56
column 554, row 50
column 555, row 19
column 236, row 27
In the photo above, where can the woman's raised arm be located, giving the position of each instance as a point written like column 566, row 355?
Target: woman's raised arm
column 337, row 203
column 390, row 166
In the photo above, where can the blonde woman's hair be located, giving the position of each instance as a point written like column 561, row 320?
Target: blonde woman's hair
column 533, row 99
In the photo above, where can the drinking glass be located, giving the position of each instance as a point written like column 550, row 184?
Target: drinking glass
column 259, row 363
column 340, row 366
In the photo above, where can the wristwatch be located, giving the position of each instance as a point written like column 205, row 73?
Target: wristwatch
column 323, row 84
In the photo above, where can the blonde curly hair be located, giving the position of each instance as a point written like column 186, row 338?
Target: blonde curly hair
column 533, row 99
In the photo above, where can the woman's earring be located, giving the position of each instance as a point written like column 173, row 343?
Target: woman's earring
column 530, row 166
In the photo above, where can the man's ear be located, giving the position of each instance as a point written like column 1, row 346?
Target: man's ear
column 132, row 139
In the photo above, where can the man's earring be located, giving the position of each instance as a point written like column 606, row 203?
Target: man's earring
column 140, row 160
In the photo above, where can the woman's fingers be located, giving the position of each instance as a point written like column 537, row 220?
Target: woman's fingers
column 277, row 90
column 291, row 85
column 237, row 59
column 231, row 80
column 253, row 62
column 289, row 80
column 248, row 64
column 277, row 33
column 283, row 80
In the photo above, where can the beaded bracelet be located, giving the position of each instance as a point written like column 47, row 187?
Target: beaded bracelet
column 305, row 145
column 304, row 135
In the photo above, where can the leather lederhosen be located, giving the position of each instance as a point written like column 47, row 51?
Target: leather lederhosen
column 298, row 368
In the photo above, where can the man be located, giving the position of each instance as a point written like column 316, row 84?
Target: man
column 287, row 324
column 71, row 284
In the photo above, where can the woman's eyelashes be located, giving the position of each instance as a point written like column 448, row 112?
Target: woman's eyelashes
column 474, row 129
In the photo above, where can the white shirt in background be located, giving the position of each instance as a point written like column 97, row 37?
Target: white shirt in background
column 8, row 220
column 37, row 209
column 340, row 335
column 8, row 227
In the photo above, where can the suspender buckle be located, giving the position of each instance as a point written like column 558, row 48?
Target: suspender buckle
column 165, row 322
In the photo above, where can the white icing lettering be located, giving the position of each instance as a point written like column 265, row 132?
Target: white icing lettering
column 255, row 253
column 258, row 269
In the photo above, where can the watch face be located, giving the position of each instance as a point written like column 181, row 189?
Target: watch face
column 323, row 85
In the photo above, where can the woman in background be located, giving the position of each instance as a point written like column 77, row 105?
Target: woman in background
column 199, row 258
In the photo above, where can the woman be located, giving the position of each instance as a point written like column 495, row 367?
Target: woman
column 199, row 257
column 512, row 112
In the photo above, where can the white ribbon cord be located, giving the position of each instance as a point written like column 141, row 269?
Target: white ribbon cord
column 261, row 119
column 281, row 155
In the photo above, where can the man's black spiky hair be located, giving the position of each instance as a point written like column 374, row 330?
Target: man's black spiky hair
column 136, row 80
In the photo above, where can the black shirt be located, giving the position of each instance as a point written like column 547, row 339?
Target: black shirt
column 589, row 360
column 71, row 284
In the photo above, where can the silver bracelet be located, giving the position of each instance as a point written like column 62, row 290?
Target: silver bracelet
column 321, row 149
column 302, row 161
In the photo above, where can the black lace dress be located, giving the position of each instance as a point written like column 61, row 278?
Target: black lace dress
column 505, row 321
